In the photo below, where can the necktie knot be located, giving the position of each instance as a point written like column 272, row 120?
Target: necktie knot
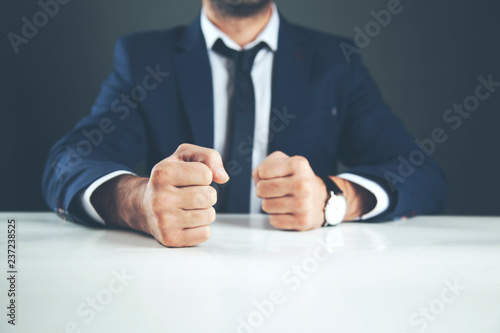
column 244, row 59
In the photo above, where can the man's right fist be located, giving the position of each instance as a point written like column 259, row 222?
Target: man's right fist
column 175, row 204
column 179, row 200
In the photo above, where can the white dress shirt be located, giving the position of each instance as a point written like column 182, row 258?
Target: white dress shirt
column 222, row 70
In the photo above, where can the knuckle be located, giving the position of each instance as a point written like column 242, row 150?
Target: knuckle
column 277, row 153
column 266, row 206
column 260, row 189
column 161, row 172
column 262, row 171
column 183, row 146
column 299, row 163
column 206, row 175
column 155, row 172
column 207, row 232
column 169, row 238
column 170, row 241
column 274, row 221
column 213, row 156
column 212, row 196
column 256, row 174
column 277, row 222
column 204, row 197
column 211, row 215
column 302, row 223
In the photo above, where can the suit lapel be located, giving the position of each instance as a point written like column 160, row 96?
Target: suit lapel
column 194, row 75
column 289, row 87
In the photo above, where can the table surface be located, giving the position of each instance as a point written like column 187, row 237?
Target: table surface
column 425, row 274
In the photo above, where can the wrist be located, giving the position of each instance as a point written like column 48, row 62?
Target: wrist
column 119, row 202
column 359, row 200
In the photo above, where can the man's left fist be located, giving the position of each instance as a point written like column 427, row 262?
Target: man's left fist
column 291, row 192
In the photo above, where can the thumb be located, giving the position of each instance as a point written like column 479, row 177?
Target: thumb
column 209, row 157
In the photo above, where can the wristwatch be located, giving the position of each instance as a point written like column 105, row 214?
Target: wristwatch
column 336, row 204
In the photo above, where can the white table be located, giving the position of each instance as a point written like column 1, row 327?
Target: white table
column 432, row 274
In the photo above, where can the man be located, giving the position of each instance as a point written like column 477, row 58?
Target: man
column 241, row 89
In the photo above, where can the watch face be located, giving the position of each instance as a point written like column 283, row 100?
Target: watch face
column 336, row 209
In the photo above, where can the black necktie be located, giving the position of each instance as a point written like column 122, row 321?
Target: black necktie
column 234, row 197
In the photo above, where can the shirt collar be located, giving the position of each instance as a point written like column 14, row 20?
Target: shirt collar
column 269, row 34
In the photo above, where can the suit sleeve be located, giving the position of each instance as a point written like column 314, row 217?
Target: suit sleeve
column 111, row 138
column 375, row 145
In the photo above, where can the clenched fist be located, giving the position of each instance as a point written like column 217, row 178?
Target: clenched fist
column 175, row 204
column 292, row 193
column 295, row 197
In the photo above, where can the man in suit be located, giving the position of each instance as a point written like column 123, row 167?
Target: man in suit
column 243, row 111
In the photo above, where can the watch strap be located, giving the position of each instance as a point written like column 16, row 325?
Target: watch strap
column 331, row 186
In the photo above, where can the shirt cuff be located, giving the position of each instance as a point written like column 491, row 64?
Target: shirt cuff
column 377, row 190
column 85, row 196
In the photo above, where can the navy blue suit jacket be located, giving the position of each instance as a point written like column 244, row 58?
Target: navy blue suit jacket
column 324, row 107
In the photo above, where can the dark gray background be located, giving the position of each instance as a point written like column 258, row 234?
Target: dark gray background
column 427, row 59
